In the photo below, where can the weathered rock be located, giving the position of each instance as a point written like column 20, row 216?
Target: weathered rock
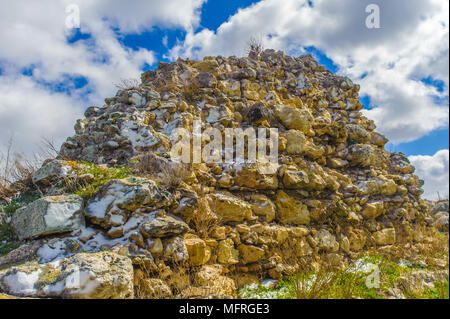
column 385, row 236
column 295, row 118
column 333, row 174
column 226, row 253
column 257, row 113
column 176, row 249
column 291, row 211
column 117, row 198
column 230, row 208
column 296, row 142
column 164, row 226
column 357, row 133
column 199, row 252
column 21, row 254
column 293, row 178
column 231, row 88
column 210, row 277
column 262, row 206
column 187, row 204
column 49, row 215
column 357, row 239
column 441, row 221
column 326, row 241
column 154, row 288
column 378, row 139
column 205, row 80
column 420, row 280
column 373, row 210
column 103, row 275
column 362, row 154
column 250, row 254
column 259, row 176
column 52, row 172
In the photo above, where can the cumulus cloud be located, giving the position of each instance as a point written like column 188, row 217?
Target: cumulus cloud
column 37, row 60
column 434, row 171
column 29, row 113
column 389, row 63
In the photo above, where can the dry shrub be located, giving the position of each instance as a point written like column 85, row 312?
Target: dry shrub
column 178, row 276
column 48, row 149
column 434, row 248
column 204, row 220
column 255, row 46
column 328, row 282
column 168, row 174
column 16, row 171
column 313, row 286
column 127, row 84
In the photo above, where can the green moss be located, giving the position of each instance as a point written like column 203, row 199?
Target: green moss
column 49, row 276
column 101, row 174
column 352, row 141
column 114, row 119
column 21, row 201
column 7, row 242
column 11, row 207
column 440, row 290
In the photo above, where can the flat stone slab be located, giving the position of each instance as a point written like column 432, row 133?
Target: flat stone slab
column 51, row 171
column 102, row 275
column 49, row 215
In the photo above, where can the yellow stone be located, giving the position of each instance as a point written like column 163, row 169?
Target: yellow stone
column 263, row 206
column 251, row 254
column 373, row 210
column 199, row 253
column 226, row 253
column 295, row 118
column 230, row 208
column 291, row 211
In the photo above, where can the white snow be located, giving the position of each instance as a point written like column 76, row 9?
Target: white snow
column 60, row 214
column 98, row 208
column 22, row 283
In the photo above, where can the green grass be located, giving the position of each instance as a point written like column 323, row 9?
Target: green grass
column 352, row 141
column 440, row 291
column 21, row 201
column 7, row 243
column 7, row 240
column 102, row 175
column 344, row 284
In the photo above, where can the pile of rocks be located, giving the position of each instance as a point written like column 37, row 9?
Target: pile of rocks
column 439, row 215
column 335, row 192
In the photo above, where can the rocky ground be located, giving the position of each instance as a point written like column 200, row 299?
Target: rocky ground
column 113, row 217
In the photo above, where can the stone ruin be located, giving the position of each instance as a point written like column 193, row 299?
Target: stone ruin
column 184, row 229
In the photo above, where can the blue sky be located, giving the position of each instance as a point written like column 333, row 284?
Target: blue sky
column 49, row 73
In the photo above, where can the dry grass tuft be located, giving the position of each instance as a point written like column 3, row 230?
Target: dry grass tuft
column 255, row 46
column 127, row 84
column 168, row 174
column 15, row 172
column 204, row 221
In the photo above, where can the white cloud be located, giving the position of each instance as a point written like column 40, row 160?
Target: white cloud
column 29, row 113
column 34, row 36
column 389, row 62
column 434, row 171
